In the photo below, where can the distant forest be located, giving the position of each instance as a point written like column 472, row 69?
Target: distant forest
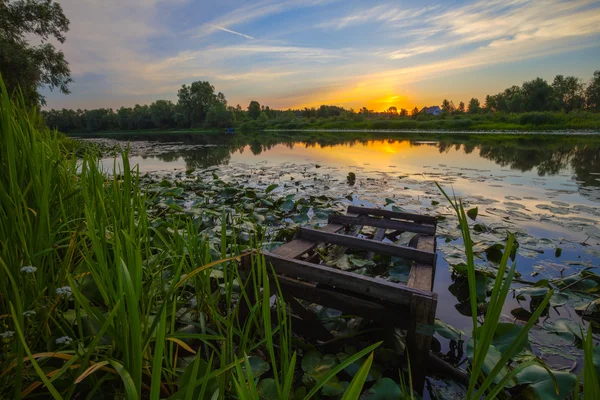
column 199, row 106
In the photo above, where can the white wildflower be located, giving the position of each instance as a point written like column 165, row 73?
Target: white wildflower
column 66, row 340
column 28, row 269
column 64, row 290
column 7, row 334
column 29, row 313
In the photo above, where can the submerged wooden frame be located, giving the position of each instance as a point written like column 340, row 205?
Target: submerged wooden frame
column 408, row 306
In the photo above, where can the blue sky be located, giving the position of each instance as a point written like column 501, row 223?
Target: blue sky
column 298, row 53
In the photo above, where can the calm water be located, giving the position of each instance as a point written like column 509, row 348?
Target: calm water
column 546, row 187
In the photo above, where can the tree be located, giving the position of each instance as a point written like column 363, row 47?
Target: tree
column 490, row 103
column 254, row 109
column 592, row 92
column 403, row 112
column 125, row 118
column 474, row 106
column 195, row 100
column 568, row 92
column 392, row 110
column 414, row 112
column 263, row 117
column 24, row 65
column 447, row 106
column 219, row 116
column 461, row 107
column 537, row 95
column 162, row 113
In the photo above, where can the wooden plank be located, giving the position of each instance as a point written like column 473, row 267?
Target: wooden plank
column 297, row 247
column 312, row 325
column 378, row 236
column 368, row 287
column 422, row 275
column 366, row 244
column 418, row 338
column 345, row 303
column 382, row 223
column 392, row 214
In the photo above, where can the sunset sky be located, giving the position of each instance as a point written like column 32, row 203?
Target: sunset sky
column 298, row 53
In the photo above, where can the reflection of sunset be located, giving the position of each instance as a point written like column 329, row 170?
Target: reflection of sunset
column 398, row 156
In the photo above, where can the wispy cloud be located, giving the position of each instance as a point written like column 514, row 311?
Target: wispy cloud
column 231, row 31
column 324, row 52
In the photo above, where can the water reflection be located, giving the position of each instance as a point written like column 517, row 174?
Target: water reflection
column 545, row 155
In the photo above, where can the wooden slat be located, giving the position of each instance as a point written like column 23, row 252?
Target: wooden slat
column 297, row 247
column 366, row 286
column 392, row 214
column 378, row 236
column 419, row 335
column 382, row 223
column 422, row 275
column 345, row 303
column 366, row 244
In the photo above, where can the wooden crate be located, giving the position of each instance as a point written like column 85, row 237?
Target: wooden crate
column 408, row 306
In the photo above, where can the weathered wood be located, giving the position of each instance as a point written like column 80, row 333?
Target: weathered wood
column 345, row 303
column 422, row 275
column 382, row 223
column 378, row 236
column 419, row 335
column 366, row 286
column 366, row 244
column 297, row 247
column 312, row 325
column 392, row 214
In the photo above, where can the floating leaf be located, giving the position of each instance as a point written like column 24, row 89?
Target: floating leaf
column 541, row 386
column 384, row 389
column 270, row 188
column 472, row 213
column 447, row 331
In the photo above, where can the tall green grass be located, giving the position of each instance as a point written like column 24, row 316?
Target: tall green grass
column 95, row 301
column 488, row 385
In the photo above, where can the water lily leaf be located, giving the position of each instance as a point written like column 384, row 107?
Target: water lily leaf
column 447, row 331
column 287, row 205
column 559, row 299
column 384, row 389
column 494, row 252
column 565, row 328
column 267, row 390
column 270, row 188
column 389, row 201
column 492, row 358
column 521, row 314
column 472, row 213
column 333, row 387
column 505, row 335
column 258, row 365
column 360, row 262
column 541, row 386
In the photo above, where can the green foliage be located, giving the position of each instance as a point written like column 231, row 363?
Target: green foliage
column 488, row 373
column 592, row 92
column 26, row 66
column 254, row 109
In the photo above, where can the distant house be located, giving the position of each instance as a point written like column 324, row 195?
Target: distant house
column 433, row 110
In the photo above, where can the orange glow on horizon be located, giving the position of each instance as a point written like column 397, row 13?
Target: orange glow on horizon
column 376, row 95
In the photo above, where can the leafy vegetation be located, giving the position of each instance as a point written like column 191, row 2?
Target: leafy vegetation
column 537, row 105
column 26, row 67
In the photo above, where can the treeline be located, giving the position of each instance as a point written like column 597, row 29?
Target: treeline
column 565, row 93
column 199, row 106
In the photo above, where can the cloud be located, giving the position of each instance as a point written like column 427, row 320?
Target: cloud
column 234, row 32
column 139, row 51
column 252, row 12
